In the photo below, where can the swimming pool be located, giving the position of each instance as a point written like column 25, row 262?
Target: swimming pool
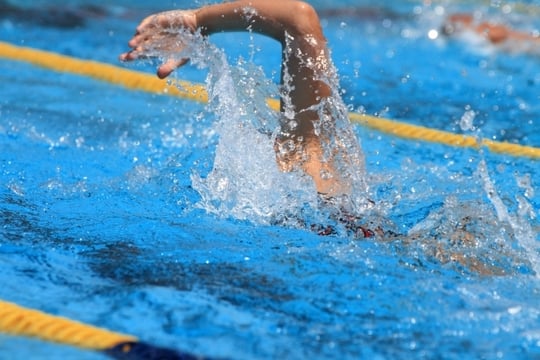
column 102, row 220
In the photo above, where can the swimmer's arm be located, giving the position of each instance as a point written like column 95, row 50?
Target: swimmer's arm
column 275, row 19
column 270, row 18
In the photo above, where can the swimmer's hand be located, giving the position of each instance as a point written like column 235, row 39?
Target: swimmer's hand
column 160, row 35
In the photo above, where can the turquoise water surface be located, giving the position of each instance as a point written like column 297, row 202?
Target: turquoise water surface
column 107, row 215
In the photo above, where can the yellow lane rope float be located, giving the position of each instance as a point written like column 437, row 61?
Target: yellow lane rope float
column 19, row 321
column 16, row 320
column 196, row 92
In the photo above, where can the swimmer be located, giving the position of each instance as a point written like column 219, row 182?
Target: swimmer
column 497, row 34
column 305, row 64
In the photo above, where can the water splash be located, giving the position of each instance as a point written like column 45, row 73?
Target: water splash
column 466, row 122
column 469, row 236
column 245, row 181
column 520, row 222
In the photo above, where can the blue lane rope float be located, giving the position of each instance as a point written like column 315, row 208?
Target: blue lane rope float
column 196, row 92
column 19, row 321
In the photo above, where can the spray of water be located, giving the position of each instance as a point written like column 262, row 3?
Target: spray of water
column 519, row 223
column 245, row 181
column 474, row 228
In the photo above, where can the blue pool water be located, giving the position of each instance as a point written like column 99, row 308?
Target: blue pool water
column 103, row 220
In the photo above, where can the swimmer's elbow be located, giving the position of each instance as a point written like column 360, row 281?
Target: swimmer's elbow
column 304, row 18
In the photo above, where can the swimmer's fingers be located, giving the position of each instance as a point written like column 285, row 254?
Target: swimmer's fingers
column 163, row 30
column 164, row 70
column 138, row 54
column 169, row 66
column 129, row 56
column 140, row 48
column 163, row 35
column 155, row 46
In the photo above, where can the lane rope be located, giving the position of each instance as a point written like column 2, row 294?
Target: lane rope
column 104, row 72
column 136, row 80
column 19, row 321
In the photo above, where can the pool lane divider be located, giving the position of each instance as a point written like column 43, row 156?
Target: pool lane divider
column 19, row 321
column 136, row 80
